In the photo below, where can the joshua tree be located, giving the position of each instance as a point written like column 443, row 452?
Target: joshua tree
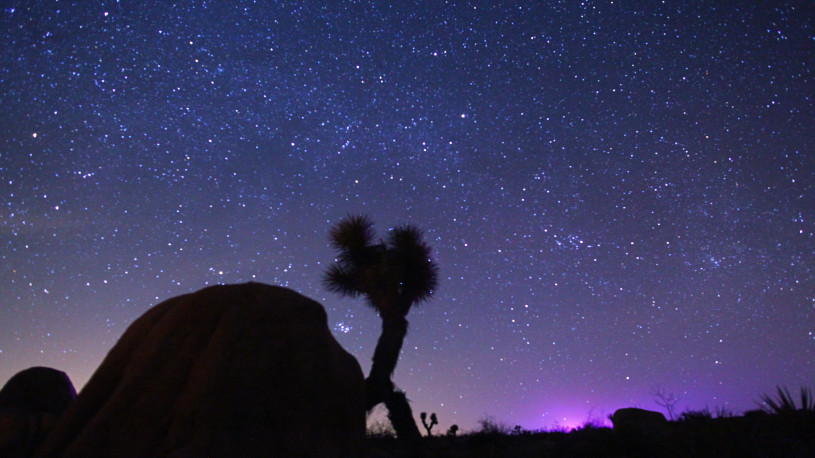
column 433, row 422
column 392, row 274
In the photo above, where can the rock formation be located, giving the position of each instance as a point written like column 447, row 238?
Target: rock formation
column 239, row 370
column 633, row 421
column 30, row 402
column 38, row 390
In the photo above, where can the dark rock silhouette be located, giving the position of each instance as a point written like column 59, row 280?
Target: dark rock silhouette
column 30, row 402
column 239, row 370
column 633, row 421
column 38, row 390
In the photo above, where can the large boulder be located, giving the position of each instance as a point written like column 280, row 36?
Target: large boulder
column 239, row 370
column 633, row 421
column 30, row 402
column 38, row 390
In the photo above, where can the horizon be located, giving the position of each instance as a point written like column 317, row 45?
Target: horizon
column 618, row 196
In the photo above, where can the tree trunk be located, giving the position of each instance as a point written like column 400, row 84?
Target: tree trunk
column 401, row 417
column 378, row 385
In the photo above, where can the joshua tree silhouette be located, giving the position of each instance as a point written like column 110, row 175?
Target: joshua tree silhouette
column 433, row 422
column 393, row 275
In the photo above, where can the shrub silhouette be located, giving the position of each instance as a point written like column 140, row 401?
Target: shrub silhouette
column 451, row 432
column 393, row 274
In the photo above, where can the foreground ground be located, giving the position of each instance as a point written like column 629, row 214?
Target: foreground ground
column 791, row 435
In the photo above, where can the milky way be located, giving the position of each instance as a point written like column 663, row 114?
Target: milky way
column 619, row 195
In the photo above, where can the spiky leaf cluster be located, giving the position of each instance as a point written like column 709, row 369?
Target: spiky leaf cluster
column 352, row 238
column 394, row 273
column 785, row 403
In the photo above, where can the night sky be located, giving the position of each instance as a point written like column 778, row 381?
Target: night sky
column 619, row 194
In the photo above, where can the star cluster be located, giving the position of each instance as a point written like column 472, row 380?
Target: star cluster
column 619, row 194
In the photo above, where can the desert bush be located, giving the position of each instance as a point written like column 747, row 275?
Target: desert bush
column 724, row 412
column 488, row 425
column 696, row 415
column 452, row 431
column 380, row 429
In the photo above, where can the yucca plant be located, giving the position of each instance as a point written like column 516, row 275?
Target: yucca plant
column 785, row 403
column 393, row 274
